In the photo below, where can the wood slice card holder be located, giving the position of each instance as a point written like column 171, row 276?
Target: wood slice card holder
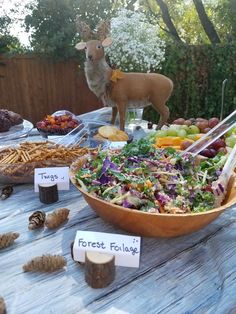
column 99, row 268
column 48, row 193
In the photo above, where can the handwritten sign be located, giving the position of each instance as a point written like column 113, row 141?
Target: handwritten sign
column 59, row 175
column 125, row 248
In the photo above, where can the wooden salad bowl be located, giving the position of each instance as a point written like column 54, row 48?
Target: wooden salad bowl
column 152, row 224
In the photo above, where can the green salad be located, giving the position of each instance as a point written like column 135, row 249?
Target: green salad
column 144, row 178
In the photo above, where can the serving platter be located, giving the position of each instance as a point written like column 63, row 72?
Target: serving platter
column 17, row 131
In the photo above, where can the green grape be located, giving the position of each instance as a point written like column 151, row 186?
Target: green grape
column 182, row 133
column 171, row 132
column 185, row 127
column 193, row 129
column 192, row 137
column 231, row 132
column 161, row 133
column 230, row 141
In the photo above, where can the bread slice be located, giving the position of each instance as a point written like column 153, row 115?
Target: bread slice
column 111, row 133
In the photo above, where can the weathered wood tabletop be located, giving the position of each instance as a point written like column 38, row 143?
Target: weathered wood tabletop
column 190, row 274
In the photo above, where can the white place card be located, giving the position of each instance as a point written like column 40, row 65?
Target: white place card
column 117, row 145
column 125, row 248
column 56, row 175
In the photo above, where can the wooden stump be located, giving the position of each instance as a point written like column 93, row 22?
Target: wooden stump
column 48, row 193
column 99, row 269
column 2, row 306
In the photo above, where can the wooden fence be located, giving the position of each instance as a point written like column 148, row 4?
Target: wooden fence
column 35, row 87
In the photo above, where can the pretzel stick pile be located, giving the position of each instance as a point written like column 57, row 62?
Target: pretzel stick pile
column 20, row 162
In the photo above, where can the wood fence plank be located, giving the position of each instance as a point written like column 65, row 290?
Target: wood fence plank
column 35, row 87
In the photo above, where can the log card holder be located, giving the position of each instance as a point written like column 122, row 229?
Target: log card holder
column 99, row 268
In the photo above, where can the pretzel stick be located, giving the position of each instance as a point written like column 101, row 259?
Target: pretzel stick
column 25, row 156
column 8, row 158
column 35, row 148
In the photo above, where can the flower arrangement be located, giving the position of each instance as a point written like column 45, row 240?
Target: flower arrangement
column 136, row 43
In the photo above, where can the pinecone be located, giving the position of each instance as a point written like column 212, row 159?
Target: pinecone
column 45, row 263
column 37, row 219
column 56, row 218
column 6, row 192
column 2, row 306
column 6, row 239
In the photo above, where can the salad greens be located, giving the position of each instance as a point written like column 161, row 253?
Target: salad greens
column 154, row 180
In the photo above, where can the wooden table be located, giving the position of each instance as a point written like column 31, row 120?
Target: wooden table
column 189, row 274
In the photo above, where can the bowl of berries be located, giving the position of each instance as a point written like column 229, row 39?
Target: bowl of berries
column 59, row 123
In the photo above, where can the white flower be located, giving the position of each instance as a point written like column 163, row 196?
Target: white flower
column 136, row 43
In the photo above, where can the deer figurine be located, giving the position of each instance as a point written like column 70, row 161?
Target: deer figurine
column 117, row 89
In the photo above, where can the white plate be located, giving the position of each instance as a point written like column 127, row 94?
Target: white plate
column 17, row 131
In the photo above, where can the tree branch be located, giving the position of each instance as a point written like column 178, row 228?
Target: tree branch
column 130, row 5
column 206, row 23
column 167, row 20
column 157, row 17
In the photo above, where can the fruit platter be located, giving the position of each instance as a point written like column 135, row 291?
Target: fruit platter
column 58, row 123
column 181, row 133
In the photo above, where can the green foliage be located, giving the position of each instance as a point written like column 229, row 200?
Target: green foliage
column 222, row 14
column 5, row 22
column 92, row 11
column 52, row 23
column 8, row 43
column 53, row 28
column 198, row 73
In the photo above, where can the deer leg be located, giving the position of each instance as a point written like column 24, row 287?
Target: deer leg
column 164, row 115
column 122, row 109
column 114, row 114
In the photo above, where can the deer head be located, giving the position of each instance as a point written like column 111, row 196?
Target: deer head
column 94, row 48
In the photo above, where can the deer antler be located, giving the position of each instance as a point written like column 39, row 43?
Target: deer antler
column 83, row 29
column 103, row 29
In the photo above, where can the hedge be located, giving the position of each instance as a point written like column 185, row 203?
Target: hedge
column 198, row 73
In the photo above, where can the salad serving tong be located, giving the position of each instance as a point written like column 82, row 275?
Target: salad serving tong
column 79, row 134
column 220, row 185
column 211, row 136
